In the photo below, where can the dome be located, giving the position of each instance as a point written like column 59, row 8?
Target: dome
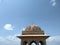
column 33, row 27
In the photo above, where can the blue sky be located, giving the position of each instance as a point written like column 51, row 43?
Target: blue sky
column 18, row 14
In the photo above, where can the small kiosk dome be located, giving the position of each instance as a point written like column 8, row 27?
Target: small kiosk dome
column 32, row 29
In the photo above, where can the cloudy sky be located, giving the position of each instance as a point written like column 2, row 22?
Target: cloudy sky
column 15, row 15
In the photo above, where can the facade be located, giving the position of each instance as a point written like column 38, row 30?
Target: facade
column 33, row 35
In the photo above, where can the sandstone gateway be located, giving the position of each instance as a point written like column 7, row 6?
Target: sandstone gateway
column 33, row 35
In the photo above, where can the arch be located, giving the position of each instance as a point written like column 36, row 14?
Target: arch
column 25, row 43
column 33, row 43
column 41, row 43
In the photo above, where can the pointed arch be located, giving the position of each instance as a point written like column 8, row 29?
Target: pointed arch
column 33, row 43
column 41, row 43
column 25, row 43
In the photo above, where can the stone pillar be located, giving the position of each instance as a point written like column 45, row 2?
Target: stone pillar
column 37, row 42
column 44, row 42
column 22, row 42
column 28, row 43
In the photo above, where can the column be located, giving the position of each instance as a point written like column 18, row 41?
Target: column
column 44, row 42
column 22, row 42
column 37, row 42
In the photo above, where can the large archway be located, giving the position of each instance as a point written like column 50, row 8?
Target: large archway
column 33, row 43
column 25, row 43
column 41, row 43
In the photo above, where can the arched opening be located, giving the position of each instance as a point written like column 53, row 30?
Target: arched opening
column 40, row 43
column 25, row 43
column 33, row 43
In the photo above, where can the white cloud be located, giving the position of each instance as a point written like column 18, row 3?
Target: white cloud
column 8, row 27
column 55, row 40
column 9, row 40
column 53, row 2
column 23, row 29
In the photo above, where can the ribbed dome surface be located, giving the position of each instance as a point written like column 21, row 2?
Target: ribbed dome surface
column 33, row 27
column 32, row 30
